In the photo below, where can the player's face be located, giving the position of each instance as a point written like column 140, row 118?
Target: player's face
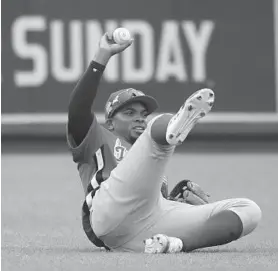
column 130, row 121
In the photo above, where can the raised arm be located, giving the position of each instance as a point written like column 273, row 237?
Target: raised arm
column 80, row 116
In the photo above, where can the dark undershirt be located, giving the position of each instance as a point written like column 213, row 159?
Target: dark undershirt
column 80, row 115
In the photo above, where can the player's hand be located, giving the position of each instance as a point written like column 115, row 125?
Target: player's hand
column 112, row 48
column 189, row 192
column 107, row 49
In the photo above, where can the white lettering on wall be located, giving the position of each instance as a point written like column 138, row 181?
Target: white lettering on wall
column 156, row 54
column 198, row 41
column 58, row 44
column 170, row 61
column 26, row 50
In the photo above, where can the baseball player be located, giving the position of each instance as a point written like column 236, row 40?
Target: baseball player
column 122, row 166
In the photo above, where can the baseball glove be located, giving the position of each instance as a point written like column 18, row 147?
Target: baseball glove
column 188, row 192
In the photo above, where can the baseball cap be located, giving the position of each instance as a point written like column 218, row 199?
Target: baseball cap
column 125, row 96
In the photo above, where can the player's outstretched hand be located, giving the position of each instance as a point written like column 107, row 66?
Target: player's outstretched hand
column 106, row 43
column 108, row 48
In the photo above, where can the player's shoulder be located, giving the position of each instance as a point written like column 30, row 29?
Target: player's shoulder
column 113, row 139
column 108, row 136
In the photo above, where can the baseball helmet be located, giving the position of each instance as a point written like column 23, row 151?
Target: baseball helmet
column 123, row 97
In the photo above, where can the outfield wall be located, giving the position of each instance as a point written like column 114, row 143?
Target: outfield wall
column 180, row 46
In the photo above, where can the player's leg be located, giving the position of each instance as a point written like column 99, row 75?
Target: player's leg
column 141, row 171
column 201, row 226
column 228, row 220
column 133, row 189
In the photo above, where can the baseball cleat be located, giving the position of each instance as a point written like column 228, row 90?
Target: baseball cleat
column 161, row 243
column 194, row 108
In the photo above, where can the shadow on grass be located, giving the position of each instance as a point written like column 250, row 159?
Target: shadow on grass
column 64, row 249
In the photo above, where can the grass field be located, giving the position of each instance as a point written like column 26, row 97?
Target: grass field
column 41, row 198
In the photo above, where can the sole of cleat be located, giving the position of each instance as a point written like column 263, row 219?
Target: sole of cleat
column 195, row 107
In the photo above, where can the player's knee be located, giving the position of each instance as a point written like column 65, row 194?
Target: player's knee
column 255, row 215
column 158, row 127
column 249, row 213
